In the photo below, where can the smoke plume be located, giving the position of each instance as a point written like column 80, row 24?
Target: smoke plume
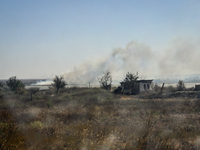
column 44, row 82
column 179, row 57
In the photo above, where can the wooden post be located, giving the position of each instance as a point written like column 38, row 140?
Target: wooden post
column 89, row 84
column 162, row 88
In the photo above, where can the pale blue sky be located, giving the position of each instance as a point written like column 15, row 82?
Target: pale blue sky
column 40, row 38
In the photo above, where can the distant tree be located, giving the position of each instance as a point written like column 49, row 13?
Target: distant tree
column 131, row 78
column 14, row 84
column 180, row 85
column 32, row 91
column 131, row 82
column 58, row 83
column 106, row 80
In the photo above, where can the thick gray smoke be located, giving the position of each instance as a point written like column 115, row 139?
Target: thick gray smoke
column 180, row 57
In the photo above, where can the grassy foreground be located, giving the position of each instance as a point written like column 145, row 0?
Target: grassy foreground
column 83, row 118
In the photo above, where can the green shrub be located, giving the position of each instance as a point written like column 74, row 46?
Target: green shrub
column 49, row 104
column 37, row 125
column 15, row 84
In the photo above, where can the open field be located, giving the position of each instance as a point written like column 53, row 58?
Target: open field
column 92, row 118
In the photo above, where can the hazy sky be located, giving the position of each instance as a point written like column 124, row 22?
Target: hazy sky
column 41, row 38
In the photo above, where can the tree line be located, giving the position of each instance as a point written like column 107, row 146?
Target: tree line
column 14, row 84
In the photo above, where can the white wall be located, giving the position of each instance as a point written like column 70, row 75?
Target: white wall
column 148, row 86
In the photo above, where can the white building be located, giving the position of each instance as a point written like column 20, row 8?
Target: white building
column 144, row 85
column 139, row 86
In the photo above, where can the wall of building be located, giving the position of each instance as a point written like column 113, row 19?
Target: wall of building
column 145, row 86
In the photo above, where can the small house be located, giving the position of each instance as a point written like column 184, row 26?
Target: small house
column 136, row 87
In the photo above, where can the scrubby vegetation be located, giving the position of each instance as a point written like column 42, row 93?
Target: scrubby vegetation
column 33, row 91
column 15, row 84
column 58, row 83
column 94, row 118
column 105, row 81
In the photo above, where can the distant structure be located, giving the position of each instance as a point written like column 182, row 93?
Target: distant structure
column 137, row 87
column 197, row 88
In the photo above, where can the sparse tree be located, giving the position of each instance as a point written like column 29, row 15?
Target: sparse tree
column 130, row 80
column 14, row 84
column 32, row 91
column 58, row 83
column 180, row 85
column 106, row 80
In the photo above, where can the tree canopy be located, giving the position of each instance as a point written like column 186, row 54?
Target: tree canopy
column 131, row 77
column 32, row 91
column 131, row 82
column 59, row 83
column 13, row 83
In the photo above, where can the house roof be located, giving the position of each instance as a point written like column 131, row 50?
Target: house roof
column 143, row 81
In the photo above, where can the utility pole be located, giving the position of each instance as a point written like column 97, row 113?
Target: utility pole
column 89, row 84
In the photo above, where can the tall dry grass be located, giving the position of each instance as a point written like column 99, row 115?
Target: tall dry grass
column 93, row 118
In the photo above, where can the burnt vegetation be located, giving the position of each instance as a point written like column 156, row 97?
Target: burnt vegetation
column 95, row 118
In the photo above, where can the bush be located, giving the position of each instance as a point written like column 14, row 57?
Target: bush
column 20, row 90
column 49, row 104
column 32, row 91
column 156, row 87
column 13, row 83
column 131, row 84
column 180, row 85
column 58, row 83
column 37, row 125
column 10, row 136
column 1, row 84
column 105, row 81
column 170, row 88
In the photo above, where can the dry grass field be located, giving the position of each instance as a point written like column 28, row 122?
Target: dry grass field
column 92, row 118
